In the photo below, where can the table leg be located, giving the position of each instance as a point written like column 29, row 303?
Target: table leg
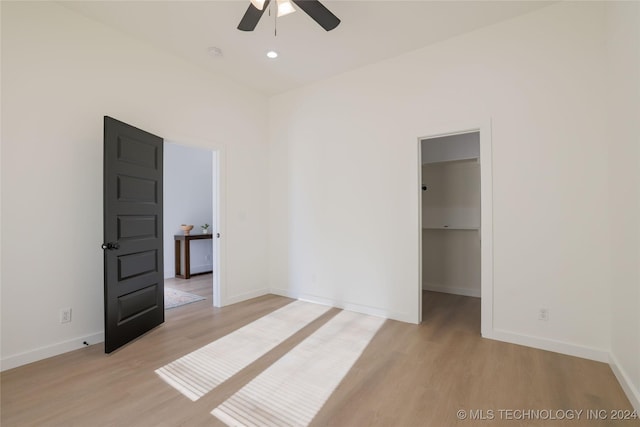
column 177, row 258
column 187, row 261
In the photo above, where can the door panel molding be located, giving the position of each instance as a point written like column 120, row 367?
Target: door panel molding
column 133, row 259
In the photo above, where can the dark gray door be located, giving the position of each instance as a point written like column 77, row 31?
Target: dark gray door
column 133, row 251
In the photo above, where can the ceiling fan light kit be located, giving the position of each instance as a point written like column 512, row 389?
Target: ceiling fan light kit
column 284, row 7
column 313, row 8
column 258, row 4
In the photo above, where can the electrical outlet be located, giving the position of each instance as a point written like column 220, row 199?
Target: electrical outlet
column 65, row 315
column 543, row 314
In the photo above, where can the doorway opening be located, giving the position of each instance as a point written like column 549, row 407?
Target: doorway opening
column 191, row 197
column 455, row 223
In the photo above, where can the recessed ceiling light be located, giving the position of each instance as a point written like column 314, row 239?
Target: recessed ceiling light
column 272, row 54
column 216, row 52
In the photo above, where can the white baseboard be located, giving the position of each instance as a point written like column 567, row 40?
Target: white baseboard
column 358, row 308
column 245, row 296
column 577, row 350
column 467, row 292
column 195, row 269
column 632, row 392
column 283, row 293
column 50, row 351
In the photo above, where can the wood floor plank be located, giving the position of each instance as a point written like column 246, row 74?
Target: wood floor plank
column 409, row 375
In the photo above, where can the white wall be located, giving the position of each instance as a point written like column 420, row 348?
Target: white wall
column 623, row 142
column 188, row 199
column 344, row 175
column 60, row 74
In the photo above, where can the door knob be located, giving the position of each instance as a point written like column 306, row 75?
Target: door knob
column 110, row 246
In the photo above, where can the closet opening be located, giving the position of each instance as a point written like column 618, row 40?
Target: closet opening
column 451, row 234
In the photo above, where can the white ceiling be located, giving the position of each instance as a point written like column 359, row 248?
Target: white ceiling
column 370, row 31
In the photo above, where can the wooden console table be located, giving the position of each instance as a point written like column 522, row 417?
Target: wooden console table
column 187, row 262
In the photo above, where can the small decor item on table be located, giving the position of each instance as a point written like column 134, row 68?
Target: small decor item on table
column 186, row 228
column 205, row 229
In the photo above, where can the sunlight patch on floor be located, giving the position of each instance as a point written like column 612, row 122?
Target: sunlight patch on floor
column 292, row 390
column 199, row 372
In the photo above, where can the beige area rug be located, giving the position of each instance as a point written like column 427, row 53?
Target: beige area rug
column 174, row 298
column 292, row 390
column 199, row 372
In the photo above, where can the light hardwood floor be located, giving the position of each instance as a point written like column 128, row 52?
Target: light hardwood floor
column 409, row 375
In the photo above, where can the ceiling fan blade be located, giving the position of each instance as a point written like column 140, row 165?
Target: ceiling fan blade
column 252, row 16
column 318, row 13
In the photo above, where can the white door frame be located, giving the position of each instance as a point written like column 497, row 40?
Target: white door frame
column 218, row 153
column 486, row 215
column 219, row 244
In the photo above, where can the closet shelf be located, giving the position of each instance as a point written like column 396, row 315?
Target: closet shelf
column 450, row 227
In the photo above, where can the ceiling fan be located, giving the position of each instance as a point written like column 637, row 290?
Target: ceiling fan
column 313, row 8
